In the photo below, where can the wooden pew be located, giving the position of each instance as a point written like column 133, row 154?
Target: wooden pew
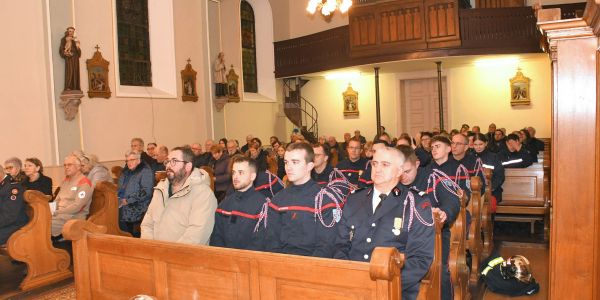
column 32, row 245
column 524, row 199
column 431, row 285
column 106, row 265
column 457, row 261
column 104, row 209
column 487, row 222
column 474, row 242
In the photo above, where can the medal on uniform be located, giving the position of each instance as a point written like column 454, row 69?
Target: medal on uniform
column 397, row 226
column 360, row 172
column 351, row 233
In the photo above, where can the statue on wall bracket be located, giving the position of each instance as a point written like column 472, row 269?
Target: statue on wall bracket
column 188, row 83
column 70, row 51
column 97, row 68
column 232, row 86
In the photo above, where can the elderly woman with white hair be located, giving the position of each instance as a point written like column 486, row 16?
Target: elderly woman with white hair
column 13, row 167
column 94, row 170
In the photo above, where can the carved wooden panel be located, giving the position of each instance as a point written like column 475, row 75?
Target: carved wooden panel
column 524, row 186
column 442, row 23
column 499, row 3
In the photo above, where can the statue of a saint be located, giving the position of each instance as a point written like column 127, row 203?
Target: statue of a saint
column 70, row 51
column 220, row 76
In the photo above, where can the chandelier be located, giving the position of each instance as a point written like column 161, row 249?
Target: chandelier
column 327, row 7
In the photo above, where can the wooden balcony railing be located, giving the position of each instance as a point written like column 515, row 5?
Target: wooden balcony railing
column 400, row 30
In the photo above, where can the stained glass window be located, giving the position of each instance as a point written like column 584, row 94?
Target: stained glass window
column 134, row 43
column 248, row 47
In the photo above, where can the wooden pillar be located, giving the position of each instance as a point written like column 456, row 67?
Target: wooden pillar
column 377, row 103
column 575, row 195
column 440, row 95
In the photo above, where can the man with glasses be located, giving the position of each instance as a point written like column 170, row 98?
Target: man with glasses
column 468, row 164
column 137, row 144
column 353, row 166
column 74, row 197
column 322, row 170
column 134, row 193
column 183, row 206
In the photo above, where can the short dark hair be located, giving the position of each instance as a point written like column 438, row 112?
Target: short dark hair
column 153, row 144
column 409, row 153
column 238, row 158
column 513, row 137
column 380, row 141
column 36, row 162
column 480, row 137
column 257, row 140
column 426, row 133
column 186, row 153
column 441, row 139
column 310, row 153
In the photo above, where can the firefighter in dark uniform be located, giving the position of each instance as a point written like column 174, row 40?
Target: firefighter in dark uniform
column 443, row 198
column 268, row 184
column 490, row 161
column 237, row 219
column 322, row 170
column 515, row 156
column 381, row 217
column 353, row 166
column 468, row 164
column 365, row 178
column 301, row 219
column 12, row 207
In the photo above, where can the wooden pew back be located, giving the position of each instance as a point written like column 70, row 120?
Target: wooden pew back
column 487, row 225
column 31, row 244
column 457, row 261
column 524, row 187
column 106, row 265
column 431, row 285
column 104, row 209
column 474, row 243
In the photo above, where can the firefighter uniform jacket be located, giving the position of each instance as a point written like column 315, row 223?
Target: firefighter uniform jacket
column 360, row 231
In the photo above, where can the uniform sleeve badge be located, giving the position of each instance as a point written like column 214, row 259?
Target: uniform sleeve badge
column 81, row 194
column 14, row 191
column 13, row 197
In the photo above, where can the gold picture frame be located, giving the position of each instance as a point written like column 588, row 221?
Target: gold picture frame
column 350, row 101
column 188, row 83
column 233, row 94
column 97, row 68
column 520, row 93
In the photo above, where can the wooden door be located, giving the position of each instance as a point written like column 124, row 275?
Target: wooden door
column 420, row 108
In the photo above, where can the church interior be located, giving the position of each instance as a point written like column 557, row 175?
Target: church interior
column 180, row 72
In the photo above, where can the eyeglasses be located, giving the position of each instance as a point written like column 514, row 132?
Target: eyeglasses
column 173, row 161
column 9, row 168
column 458, row 144
column 131, row 160
column 70, row 165
column 354, row 148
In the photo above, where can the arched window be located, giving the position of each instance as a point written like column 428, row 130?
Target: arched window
column 134, row 43
column 248, row 47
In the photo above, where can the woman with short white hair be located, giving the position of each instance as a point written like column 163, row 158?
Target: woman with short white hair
column 135, row 192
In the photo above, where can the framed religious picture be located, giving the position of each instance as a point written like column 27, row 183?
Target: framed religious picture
column 188, row 83
column 233, row 94
column 519, row 90
column 350, row 102
column 97, row 68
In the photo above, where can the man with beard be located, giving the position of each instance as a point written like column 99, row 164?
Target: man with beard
column 183, row 205
column 238, row 218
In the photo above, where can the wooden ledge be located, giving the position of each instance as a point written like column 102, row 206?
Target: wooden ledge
column 75, row 230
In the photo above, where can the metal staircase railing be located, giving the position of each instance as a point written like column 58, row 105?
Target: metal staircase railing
column 299, row 110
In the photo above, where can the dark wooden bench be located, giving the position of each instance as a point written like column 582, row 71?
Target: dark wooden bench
column 526, row 197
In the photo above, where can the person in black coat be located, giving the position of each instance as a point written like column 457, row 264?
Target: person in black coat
column 443, row 199
column 468, row 164
column 423, row 152
column 297, row 222
column 490, row 161
column 238, row 217
column 516, row 155
column 36, row 180
column 381, row 217
column 13, row 213
column 322, row 170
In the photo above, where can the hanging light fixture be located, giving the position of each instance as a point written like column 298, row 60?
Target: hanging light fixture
column 327, row 7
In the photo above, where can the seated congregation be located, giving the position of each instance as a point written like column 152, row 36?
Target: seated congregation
column 417, row 209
